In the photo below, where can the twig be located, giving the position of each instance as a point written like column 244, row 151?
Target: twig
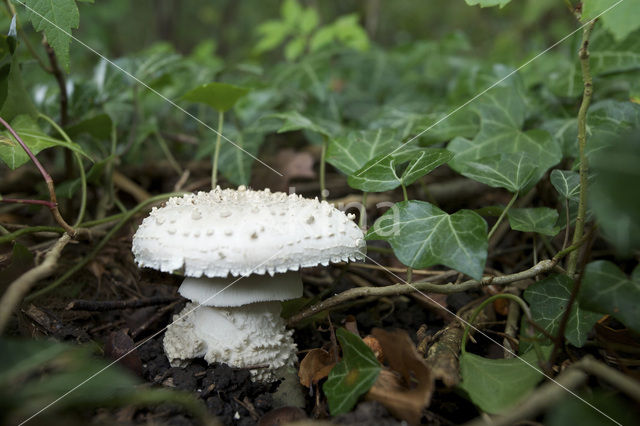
column 427, row 286
column 111, row 305
column 153, row 318
column 21, row 286
column 124, row 219
column 57, row 73
column 53, row 205
column 130, row 187
column 423, row 285
column 582, row 143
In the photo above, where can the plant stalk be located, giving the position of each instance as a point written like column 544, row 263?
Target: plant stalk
column 582, row 144
column 216, row 154
column 323, row 168
column 502, row 215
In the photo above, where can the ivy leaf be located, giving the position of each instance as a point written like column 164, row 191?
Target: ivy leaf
column 620, row 20
column 567, row 183
column 514, row 172
column 422, row 235
column 464, row 123
column 502, row 113
column 12, row 153
column 537, row 219
column 488, row 3
column 389, row 171
column 614, row 198
column 293, row 121
column 235, row 165
column 14, row 98
column 495, row 385
column 351, row 377
column 348, row 153
column 219, row 96
column 548, row 300
column 99, row 126
column 56, row 19
column 606, row 289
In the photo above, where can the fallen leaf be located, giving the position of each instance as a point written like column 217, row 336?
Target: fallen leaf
column 315, row 366
column 373, row 343
column 119, row 346
column 292, row 165
column 406, row 388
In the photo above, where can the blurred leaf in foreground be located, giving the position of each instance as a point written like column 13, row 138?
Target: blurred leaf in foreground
column 353, row 376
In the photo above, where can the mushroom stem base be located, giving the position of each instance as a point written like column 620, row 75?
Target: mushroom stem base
column 250, row 336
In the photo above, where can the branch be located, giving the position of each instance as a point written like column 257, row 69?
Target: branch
column 112, row 305
column 425, row 286
column 21, row 286
column 53, row 206
column 582, row 143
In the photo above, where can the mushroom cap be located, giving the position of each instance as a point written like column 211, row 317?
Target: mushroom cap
column 243, row 232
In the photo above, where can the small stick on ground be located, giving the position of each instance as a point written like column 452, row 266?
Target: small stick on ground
column 112, row 305
column 21, row 286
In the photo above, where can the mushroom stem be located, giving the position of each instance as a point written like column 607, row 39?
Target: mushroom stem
column 242, row 337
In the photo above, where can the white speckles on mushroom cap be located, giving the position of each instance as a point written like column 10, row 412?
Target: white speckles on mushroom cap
column 243, row 232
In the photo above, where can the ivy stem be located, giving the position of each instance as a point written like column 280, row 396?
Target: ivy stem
column 363, row 211
column 583, row 54
column 83, row 177
column 409, row 269
column 53, row 204
column 502, row 215
column 323, row 156
column 216, row 154
column 480, row 307
column 404, row 192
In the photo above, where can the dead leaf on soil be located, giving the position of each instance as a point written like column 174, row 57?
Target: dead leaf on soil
column 405, row 388
column 315, row 366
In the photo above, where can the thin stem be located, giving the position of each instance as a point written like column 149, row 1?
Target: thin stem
column 167, row 152
column 125, row 218
column 582, row 143
column 21, row 201
column 409, row 269
column 404, row 193
column 30, row 230
column 363, row 212
column 567, row 230
column 502, row 215
column 83, row 177
column 323, row 170
column 216, row 154
column 480, row 307
column 53, row 207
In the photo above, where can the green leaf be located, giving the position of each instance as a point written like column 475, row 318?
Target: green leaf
column 495, row 385
column 291, row 12
column 464, row 123
column 235, row 164
column 573, row 411
column 614, row 196
column 12, row 153
column 351, row 377
column 99, row 126
column 422, row 235
column 487, row 3
column 389, row 171
column 606, row 289
column 502, row 113
column 567, row 183
column 621, row 20
column 548, row 300
column 514, row 172
column 56, row 19
column 273, row 34
column 293, row 121
column 295, row 48
column 536, row 219
column 219, row 96
column 350, row 152
column 14, row 98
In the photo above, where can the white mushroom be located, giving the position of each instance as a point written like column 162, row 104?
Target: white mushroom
column 225, row 242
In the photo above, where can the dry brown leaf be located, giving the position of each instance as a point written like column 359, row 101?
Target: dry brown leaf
column 406, row 388
column 315, row 366
column 351, row 324
column 374, row 345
